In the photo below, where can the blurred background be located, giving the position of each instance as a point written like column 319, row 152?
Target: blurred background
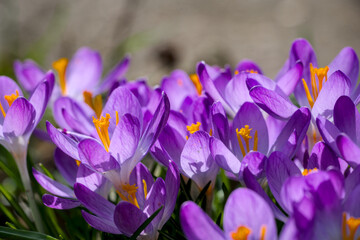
column 162, row 35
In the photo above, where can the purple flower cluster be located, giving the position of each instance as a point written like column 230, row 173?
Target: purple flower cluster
column 293, row 143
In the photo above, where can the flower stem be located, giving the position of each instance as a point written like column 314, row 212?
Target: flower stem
column 25, row 178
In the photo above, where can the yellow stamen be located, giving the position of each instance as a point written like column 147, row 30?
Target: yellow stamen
column 262, row 234
column 145, row 188
column 131, row 193
column 236, row 72
column 77, row 162
column 11, row 98
column 308, row 95
column 238, row 135
column 102, row 126
column 245, row 133
column 2, row 110
column 255, row 141
column 196, row 81
column 193, row 127
column 94, row 103
column 60, row 66
column 306, row 171
column 352, row 224
column 117, row 117
column 320, row 74
column 211, row 132
column 241, row 233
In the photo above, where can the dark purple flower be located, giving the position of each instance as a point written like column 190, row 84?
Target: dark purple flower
column 246, row 216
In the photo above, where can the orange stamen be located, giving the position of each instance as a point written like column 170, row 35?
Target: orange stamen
column 196, row 81
column 60, row 66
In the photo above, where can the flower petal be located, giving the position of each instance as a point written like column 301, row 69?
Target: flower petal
column 347, row 118
column 197, row 225
column 29, row 74
column 290, row 79
column 41, row 95
column 252, row 184
column 122, row 101
column 293, row 133
column 279, row 168
column 83, row 72
column 19, row 119
column 59, row 203
column 348, row 63
column 52, row 186
column 94, row 202
column 337, row 85
column 223, row 156
column 196, row 160
column 348, row 150
column 247, row 65
column 100, row 224
column 246, row 208
column 65, row 143
column 272, row 103
column 125, row 138
column 128, row 218
column 323, row 156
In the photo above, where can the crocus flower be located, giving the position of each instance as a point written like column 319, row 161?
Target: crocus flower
column 126, row 216
column 231, row 90
column 122, row 139
column 319, row 209
column 82, row 73
column 344, row 134
column 320, row 87
column 18, row 119
column 246, row 216
column 250, row 140
column 62, row 196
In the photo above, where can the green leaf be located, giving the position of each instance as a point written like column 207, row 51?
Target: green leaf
column 10, row 216
column 203, row 193
column 184, row 188
column 47, row 173
column 145, row 224
column 9, row 233
column 14, row 203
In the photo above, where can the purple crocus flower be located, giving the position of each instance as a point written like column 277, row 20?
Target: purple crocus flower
column 185, row 140
column 246, row 216
column 122, row 138
column 126, row 217
column 323, row 206
column 18, row 119
column 82, row 73
column 250, row 140
column 320, row 87
column 231, row 90
column 344, row 134
column 62, row 196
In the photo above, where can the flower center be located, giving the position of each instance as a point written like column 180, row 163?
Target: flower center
column 102, row 128
column 60, row 66
column 244, row 133
column 10, row 99
column 320, row 74
column 242, row 233
column 196, row 81
column 306, row 171
column 349, row 227
column 193, row 128
column 95, row 103
column 128, row 193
